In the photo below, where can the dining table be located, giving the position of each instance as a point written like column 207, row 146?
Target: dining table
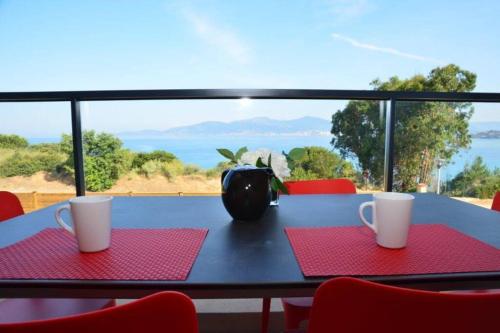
column 250, row 259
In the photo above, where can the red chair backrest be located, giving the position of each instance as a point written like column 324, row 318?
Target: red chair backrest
column 351, row 305
column 321, row 186
column 162, row 312
column 496, row 202
column 10, row 206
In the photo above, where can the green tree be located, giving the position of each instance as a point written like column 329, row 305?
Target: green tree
column 13, row 141
column 476, row 180
column 425, row 131
column 320, row 163
column 104, row 159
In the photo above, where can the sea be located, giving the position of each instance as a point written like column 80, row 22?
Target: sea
column 202, row 150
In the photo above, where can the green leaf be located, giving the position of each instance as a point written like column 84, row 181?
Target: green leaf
column 260, row 164
column 296, row 153
column 240, row 152
column 277, row 185
column 227, row 154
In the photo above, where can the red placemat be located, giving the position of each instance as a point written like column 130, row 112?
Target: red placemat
column 135, row 254
column 431, row 248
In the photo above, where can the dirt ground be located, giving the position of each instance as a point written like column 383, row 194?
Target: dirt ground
column 43, row 183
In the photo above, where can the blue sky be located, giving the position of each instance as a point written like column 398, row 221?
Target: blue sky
column 317, row 44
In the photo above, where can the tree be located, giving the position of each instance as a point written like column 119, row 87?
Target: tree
column 104, row 159
column 476, row 180
column 320, row 163
column 424, row 131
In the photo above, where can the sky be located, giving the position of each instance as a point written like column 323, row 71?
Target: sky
column 311, row 44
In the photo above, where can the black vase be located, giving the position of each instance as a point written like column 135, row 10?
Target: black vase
column 246, row 192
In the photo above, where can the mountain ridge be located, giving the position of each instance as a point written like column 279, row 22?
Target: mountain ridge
column 253, row 126
column 265, row 126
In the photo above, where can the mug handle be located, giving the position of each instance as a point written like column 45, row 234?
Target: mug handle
column 60, row 220
column 362, row 217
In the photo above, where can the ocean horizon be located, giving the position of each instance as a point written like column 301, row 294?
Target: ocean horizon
column 202, row 150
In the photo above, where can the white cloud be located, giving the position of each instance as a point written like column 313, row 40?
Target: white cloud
column 221, row 37
column 348, row 9
column 388, row 50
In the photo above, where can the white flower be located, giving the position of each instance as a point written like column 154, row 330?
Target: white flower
column 279, row 163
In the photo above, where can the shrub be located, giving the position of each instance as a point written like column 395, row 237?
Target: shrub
column 13, row 141
column 104, row 158
column 97, row 175
column 299, row 173
column 219, row 168
column 150, row 168
column 172, row 169
column 28, row 163
column 191, row 169
column 50, row 148
column 320, row 163
column 157, row 155
column 5, row 154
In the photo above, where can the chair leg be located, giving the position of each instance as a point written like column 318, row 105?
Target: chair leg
column 295, row 314
column 266, row 310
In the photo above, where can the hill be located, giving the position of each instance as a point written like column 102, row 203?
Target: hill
column 253, row 126
column 491, row 134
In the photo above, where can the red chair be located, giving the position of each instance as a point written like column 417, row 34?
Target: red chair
column 297, row 309
column 351, row 305
column 162, row 312
column 10, row 206
column 26, row 309
column 496, row 202
column 321, row 186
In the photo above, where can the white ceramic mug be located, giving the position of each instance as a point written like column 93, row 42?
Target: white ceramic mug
column 91, row 218
column 391, row 218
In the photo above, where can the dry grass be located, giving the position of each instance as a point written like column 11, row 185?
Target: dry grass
column 5, row 154
column 43, row 182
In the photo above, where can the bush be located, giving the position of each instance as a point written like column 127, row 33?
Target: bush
column 300, row 173
column 13, row 141
column 49, row 148
column 191, row 169
column 320, row 163
column 217, row 171
column 5, row 154
column 125, row 159
column 104, row 158
column 96, row 176
column 28, row 163
column 172, row 169
column 158, row 155
column 150, row 168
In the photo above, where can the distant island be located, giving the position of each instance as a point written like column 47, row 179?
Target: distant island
column 491, row 134
column 260, row 126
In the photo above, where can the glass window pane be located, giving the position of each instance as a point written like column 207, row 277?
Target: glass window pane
column 170, row 147
column 448, row 148
column 35, row 157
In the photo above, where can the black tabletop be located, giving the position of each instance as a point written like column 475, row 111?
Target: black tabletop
column 250, row 259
